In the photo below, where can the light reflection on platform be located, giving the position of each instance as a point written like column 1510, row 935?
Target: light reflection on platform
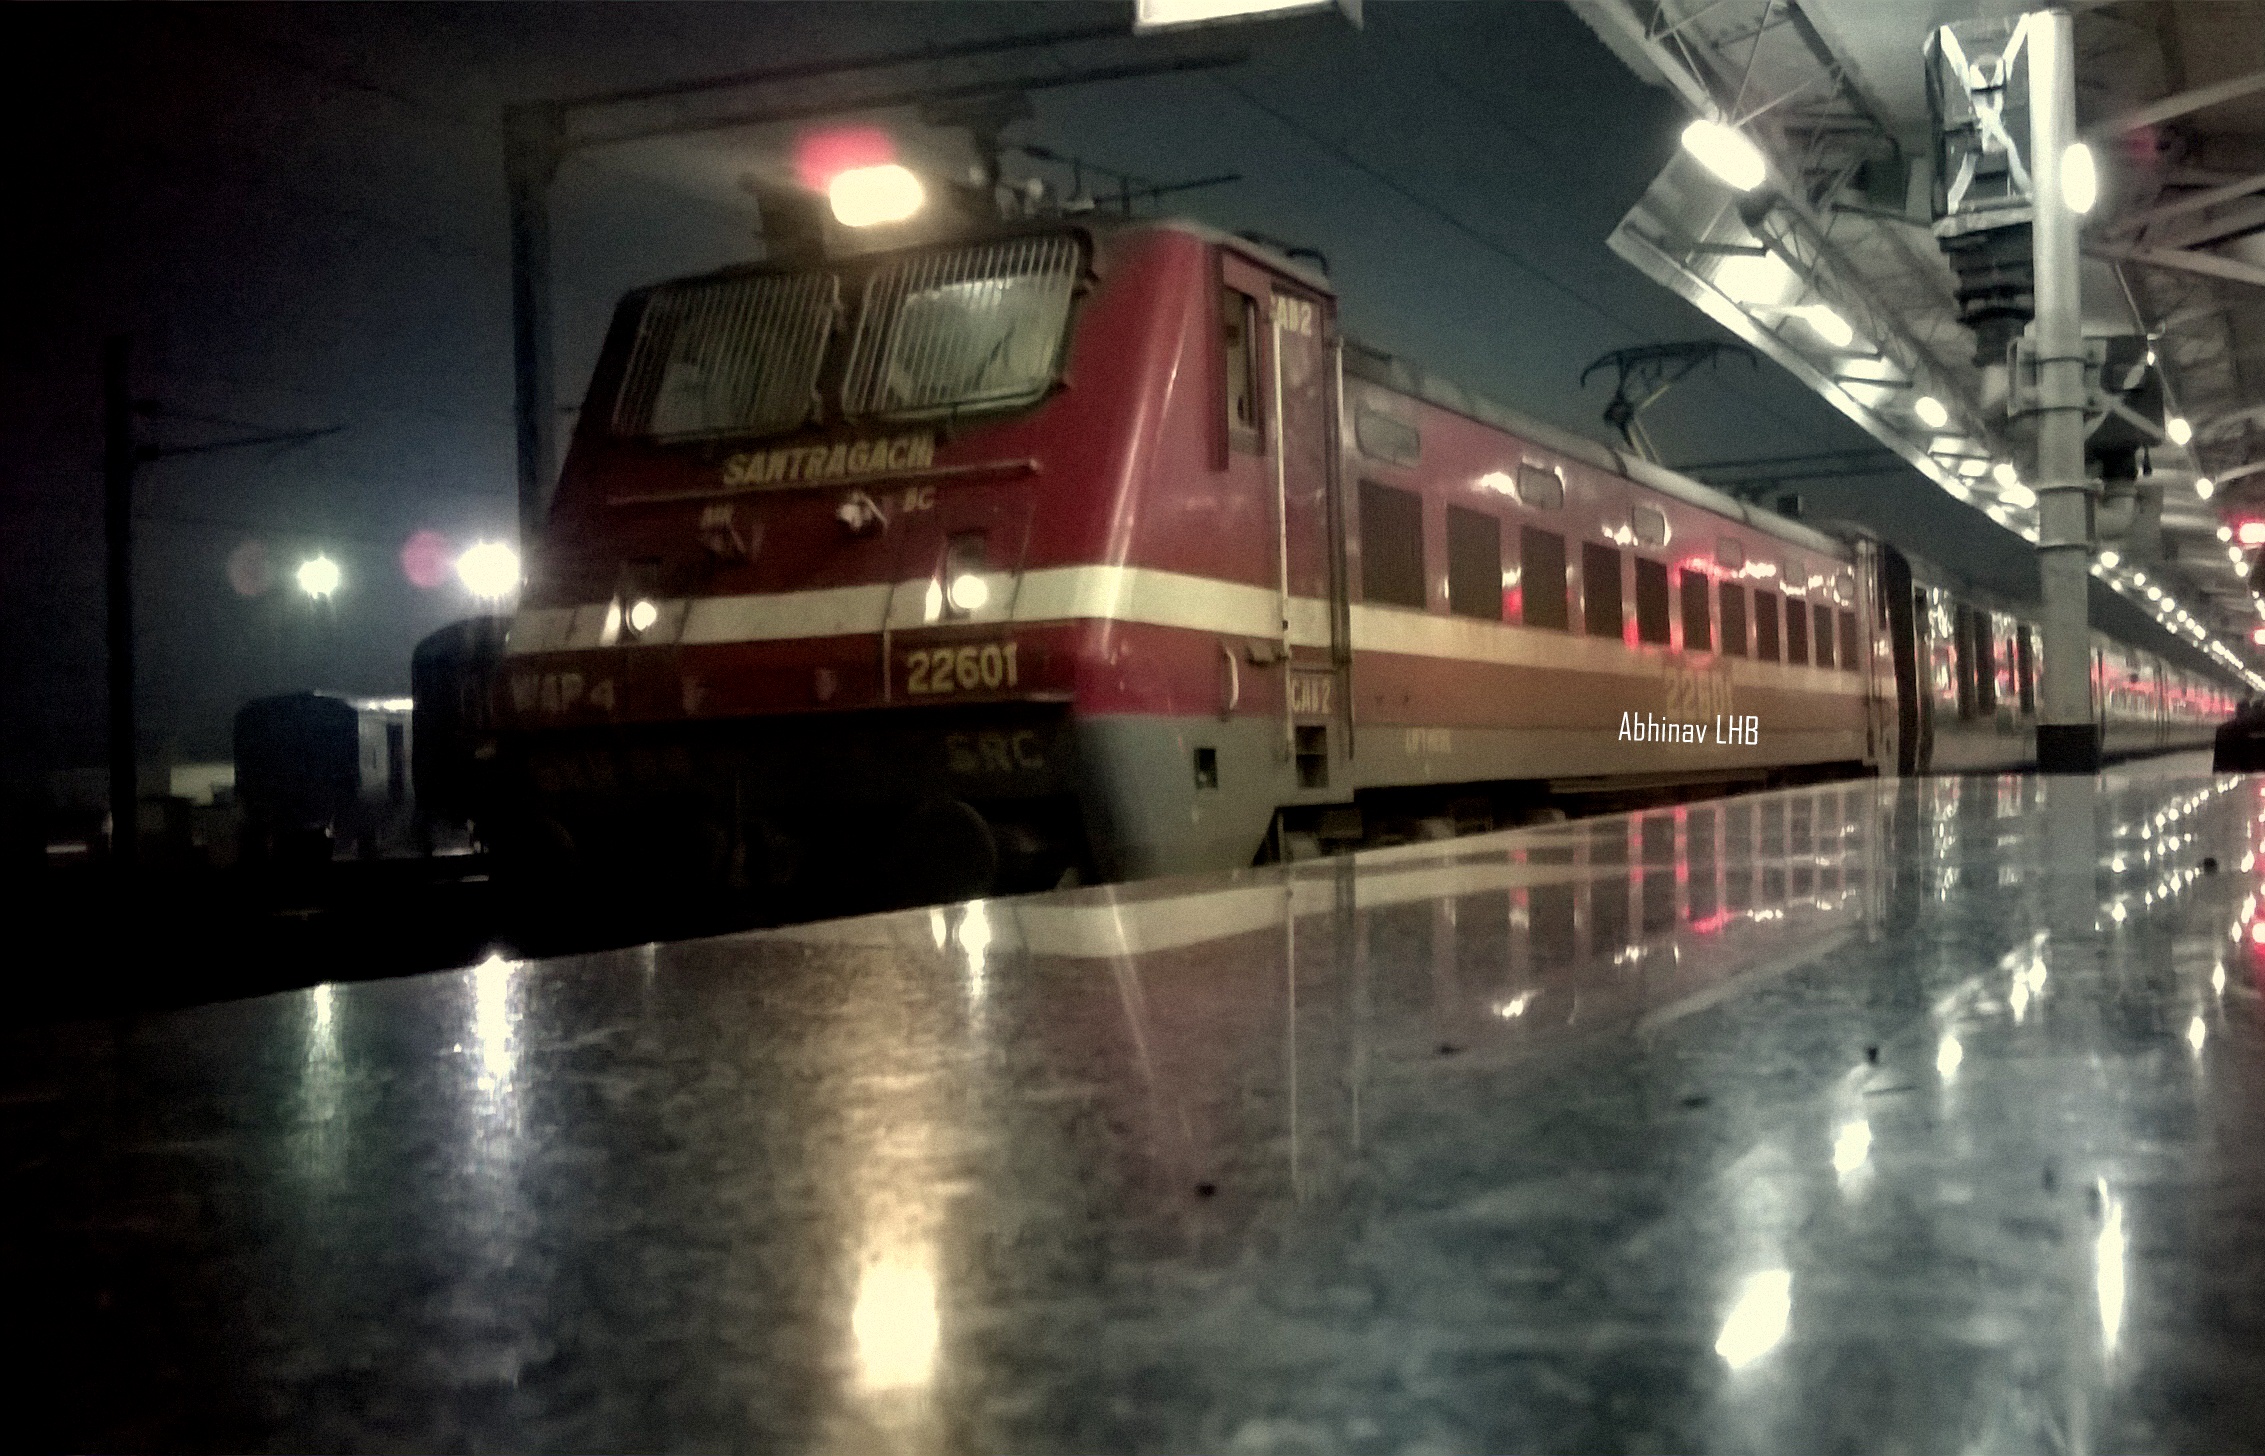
column 1909, row 1114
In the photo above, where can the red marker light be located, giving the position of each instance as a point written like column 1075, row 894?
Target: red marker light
column 2257, row 635
column 2250, row 533
column 821, row 156
column 2257, row 933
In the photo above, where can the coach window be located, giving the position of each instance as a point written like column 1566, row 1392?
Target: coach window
column 1601, row 610
column 1540, row 487
column 1734, row 619
column 1797, row 631
column 1765, row 625
column 1391, row 546
column 1238, row 313
column 2025, row 668
column 1651, row 601
column 1850, row 658
column 1698, row 618
column 1962, row 633
column 1474, row 564
column 1985, row 664
column 1541, row 578
column 1823, row 615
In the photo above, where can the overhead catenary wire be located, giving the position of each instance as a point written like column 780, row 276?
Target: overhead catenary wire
column 1458, row 224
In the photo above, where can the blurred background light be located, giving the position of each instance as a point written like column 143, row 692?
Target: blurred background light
column 318, row 576
column 424, row 559
column 489, row 570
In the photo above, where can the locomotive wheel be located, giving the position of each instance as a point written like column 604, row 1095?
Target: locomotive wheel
column 944, row 851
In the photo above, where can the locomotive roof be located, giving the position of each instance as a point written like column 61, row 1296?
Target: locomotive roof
column 1395, row 373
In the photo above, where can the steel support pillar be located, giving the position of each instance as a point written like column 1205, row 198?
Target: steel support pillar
column 2068, row 733
column 531, row 153
column 119, row 458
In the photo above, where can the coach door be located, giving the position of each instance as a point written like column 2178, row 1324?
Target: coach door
column 1300, row 380
column 1891, row 668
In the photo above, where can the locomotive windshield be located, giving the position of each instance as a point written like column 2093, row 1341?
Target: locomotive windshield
column 737, row 356
column 935, row 333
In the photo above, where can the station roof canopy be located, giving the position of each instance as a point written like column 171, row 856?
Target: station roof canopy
column 1833, row 265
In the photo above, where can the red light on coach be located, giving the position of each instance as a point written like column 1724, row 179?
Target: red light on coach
column 2250, row 533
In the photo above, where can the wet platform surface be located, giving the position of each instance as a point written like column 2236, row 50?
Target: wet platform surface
column 1909, row 1117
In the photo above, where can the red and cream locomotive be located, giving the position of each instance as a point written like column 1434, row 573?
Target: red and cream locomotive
column 1093, row 546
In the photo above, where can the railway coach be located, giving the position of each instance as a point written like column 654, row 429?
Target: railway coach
column 1095, row 548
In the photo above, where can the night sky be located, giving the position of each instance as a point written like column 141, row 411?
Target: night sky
column 299, row 214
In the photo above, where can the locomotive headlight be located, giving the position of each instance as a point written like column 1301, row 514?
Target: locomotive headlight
column 970, row 592
column 964, row 588
column 870, row 196
column 642, row 615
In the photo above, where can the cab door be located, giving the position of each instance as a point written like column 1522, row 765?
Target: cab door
column 1300, row 385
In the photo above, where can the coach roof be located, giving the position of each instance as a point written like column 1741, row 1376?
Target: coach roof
column 1378, row 367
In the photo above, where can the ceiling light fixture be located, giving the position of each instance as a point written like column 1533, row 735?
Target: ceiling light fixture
column 2080, row 179
column 1727, row 152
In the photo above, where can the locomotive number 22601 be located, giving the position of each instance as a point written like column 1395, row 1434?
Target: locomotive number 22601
column 932, row 671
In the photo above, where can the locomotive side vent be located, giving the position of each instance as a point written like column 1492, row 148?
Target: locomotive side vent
column 737, row 356
column 966, row 328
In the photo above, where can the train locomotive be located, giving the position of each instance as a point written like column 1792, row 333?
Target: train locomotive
column 1093, row 548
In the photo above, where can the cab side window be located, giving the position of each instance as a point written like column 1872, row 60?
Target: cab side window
column 1238, row 314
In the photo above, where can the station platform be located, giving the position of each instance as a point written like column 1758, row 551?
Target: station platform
column 1910, row 1116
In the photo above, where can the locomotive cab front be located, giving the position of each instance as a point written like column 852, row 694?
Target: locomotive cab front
column 790, row 627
